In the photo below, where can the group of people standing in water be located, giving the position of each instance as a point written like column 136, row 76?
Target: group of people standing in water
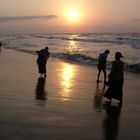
column 115, row 77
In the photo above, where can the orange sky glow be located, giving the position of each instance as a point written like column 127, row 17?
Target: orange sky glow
column 43, row 16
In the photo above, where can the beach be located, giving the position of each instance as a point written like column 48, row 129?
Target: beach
column 68, row 104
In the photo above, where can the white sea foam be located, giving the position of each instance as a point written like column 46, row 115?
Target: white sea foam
column 81, row 48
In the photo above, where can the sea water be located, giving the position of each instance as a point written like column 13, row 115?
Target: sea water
column 81, row 48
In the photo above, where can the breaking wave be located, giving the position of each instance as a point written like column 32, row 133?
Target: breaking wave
column 131, row 39
column 29, row 44
column 83, row 59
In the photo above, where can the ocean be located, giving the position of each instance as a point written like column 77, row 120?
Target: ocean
column 81, row 48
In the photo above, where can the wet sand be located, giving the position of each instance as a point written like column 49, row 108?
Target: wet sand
column 68, row 104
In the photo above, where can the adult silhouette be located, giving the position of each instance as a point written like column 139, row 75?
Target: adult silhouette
column 43, row 56
column 102, row 65
column 116, row 78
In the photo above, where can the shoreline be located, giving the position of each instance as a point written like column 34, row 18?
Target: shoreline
column 127, row 66
column 71, row 107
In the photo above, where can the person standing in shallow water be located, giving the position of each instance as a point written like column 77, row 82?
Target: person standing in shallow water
column 116, row 78
column 102, row 65
column 43, row 56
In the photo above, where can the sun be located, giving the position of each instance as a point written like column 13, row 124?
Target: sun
column 73, row 15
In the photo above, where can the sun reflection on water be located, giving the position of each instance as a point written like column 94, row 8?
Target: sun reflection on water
column 73, row 47
column 67, row 76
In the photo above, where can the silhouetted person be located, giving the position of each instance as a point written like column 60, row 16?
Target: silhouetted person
column 102, row 64
column 40, row 89
column 116, row 78
column 43, row 56
column 111, row 122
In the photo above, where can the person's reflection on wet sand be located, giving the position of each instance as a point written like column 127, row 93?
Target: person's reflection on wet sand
column 111, row 122
column 40, row 89
column 99, row 92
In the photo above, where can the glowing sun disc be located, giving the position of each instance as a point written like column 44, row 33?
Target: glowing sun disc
column 73, row 15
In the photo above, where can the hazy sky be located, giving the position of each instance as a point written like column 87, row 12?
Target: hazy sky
column 45, row 16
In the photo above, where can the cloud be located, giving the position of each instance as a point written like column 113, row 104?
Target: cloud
column 136, row 20
column 19, row 18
